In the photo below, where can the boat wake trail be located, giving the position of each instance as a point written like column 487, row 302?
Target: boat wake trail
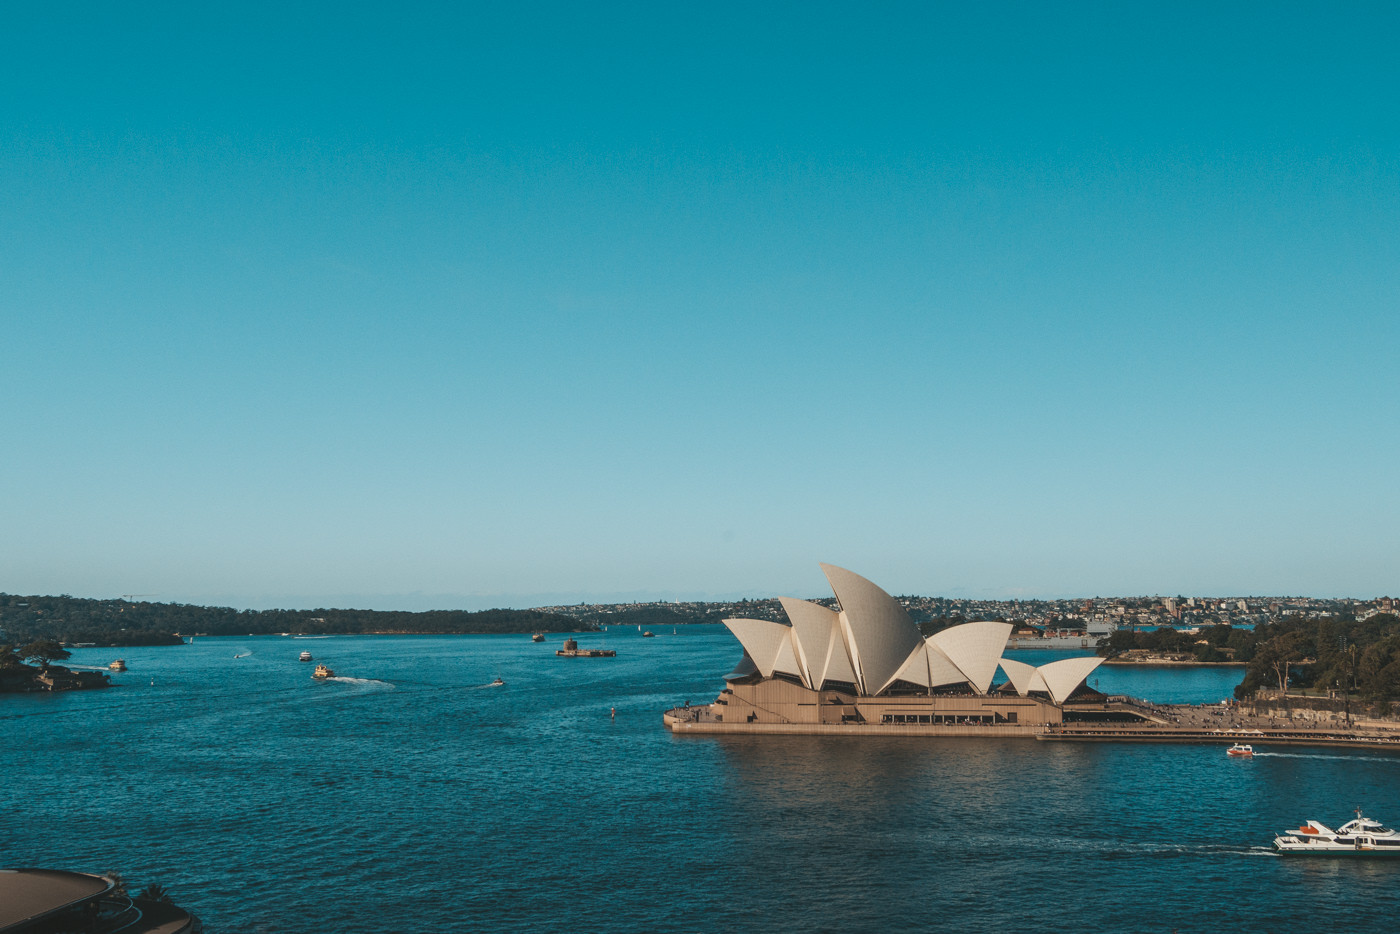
column 364, row 681
column 243, row 654
column 1318, row 755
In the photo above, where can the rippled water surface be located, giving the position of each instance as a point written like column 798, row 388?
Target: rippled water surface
column 408, row 795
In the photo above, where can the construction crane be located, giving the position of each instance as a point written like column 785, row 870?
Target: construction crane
column 131, row 597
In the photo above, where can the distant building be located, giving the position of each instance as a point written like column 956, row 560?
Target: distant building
column 867, row 665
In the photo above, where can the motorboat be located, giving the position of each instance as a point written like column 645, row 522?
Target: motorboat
column 498, row 683
column 1359, row 837
column 304, row 657
column 118, row 665
column 322, row 672
column 1240, row 750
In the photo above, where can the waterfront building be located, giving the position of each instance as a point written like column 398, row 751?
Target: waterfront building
column 865, row 665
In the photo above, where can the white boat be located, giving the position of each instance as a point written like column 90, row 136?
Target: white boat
column 1240, row 750
column 498, row 683
column 1360, row 837
column 305, row 657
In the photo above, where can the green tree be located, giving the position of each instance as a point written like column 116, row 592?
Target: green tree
column 44, row 651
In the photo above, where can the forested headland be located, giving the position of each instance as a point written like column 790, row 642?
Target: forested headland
column 1328, row 654
column 1338, row 654
column 1214, row 644
column 120, row 622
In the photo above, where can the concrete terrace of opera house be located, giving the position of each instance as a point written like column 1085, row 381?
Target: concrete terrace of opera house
column 864, row 668
column 50, row 901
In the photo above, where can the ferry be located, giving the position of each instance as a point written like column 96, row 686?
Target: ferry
column 648, row 635
column 1240, row 750
column 1360, row 837
column 118, row 665
column 537, row 637
column 322, row 672
column 305, row 657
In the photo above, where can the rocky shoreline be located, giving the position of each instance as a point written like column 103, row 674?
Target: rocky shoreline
column 27, row 679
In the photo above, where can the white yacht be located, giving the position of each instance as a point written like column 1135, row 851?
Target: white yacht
column 1360, row 837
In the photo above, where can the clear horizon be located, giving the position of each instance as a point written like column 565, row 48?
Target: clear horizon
column 374, row 302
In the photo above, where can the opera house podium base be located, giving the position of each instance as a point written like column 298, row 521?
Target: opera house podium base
column 681, row 721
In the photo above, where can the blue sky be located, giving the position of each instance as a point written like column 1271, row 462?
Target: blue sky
column 527, row 303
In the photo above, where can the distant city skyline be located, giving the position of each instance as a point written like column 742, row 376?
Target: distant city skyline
column 508, row 306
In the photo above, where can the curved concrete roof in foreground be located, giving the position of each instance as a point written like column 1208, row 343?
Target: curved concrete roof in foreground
column 872, row 643
column 1062, row 677
column 812, row 627
column 1058, row 679
column 930, row 668
column 882, row 634
column 763, row 640
column 975, row 648
column 1023, row 677
column 838, row 665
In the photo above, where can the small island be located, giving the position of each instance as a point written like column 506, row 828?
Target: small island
column 16, row 677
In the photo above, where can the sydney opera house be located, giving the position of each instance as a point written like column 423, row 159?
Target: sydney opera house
column 865, row 667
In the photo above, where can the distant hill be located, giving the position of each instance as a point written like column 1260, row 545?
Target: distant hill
column 122, row 622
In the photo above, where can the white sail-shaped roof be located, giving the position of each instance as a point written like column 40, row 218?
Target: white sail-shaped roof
column 837, row 665
column 812, row 626
column 1021, row 675
column 786, row 662
column 843, row 626
column 928, row 667
column 743, row 669
column 1062, row 677
column 882, row 634
column 975, row 648
column 763, row 639
column 915, row 668
column 871, row 643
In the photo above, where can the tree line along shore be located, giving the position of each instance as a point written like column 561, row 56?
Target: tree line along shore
column 1332, row 654
column 1336, row 655
column 79, row 620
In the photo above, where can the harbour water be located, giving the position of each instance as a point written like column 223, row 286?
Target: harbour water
column 407, row 794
